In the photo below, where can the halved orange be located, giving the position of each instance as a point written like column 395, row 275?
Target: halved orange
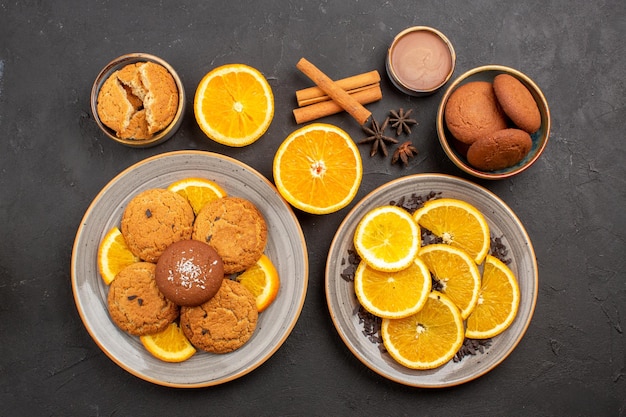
column 169, row 345
column 234, row 104
column 393, row 295
column 318, row 168
column 198, row 191
column 263, row 282
column 498, row 301
column 113, row 255
column 427, row 339
column 387, row 238
column 458, row 223
column 456, row 273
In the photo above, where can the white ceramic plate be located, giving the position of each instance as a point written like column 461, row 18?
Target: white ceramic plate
column 343, row 304
column 285, row 247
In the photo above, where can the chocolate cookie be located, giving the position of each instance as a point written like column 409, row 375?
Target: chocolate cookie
column 473, row 112
column 235, row 228
column 225, row 322
column 153, row 220
column 499, row 150
column 517, row 102
column 189, row 272
column 135, row 303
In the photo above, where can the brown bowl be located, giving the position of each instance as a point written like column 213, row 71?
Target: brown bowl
column 455, row 150
column 119, row 63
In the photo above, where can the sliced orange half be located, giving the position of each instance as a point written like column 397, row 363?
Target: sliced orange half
column 169, row 345
column 262, row 280
column 427, row 339
column 458, row 223
column 113, row 255
column 234, row 104
column 198, row 191
column 456, row 272
column 393, row 295
column 387, row 238
column 498, row 301
column 318, row 169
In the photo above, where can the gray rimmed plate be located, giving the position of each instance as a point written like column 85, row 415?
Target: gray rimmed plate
column 343, row 304
column 285, row 247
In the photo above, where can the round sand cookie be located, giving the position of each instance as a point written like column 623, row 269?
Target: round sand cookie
column 472, row 112
column 113, row 107
column 153, row 220
column 517, row 102
column 135, row 303
column 499, row 150
column 235, row 228
column 225, row 322
column 189, row 272
column 161, row 99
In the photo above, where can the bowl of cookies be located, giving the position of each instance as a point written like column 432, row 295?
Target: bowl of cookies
column 138, row 100
column 493, row 122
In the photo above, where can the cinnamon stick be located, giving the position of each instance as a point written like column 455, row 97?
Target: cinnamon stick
column 351, row 85
column 339, row 96
column 326, row 108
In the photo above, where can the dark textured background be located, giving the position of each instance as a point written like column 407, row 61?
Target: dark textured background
column 53, row 161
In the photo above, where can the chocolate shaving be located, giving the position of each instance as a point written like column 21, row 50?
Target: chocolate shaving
column 499, row 250
column 472, row 347
column 414, row 201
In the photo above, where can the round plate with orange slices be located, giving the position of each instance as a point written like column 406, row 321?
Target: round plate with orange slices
column 343, row 302
column 285, row 247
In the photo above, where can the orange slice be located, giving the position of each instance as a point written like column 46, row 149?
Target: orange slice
column 456, row 272
column 428, row 338
column 393, row 295
column 113, row 255
column 198, row 191
column 498, row 301
column 169, row 345
column 318, row 169
column 387, row 238
column 263, row 282
column 458, row 223
column 234, row 104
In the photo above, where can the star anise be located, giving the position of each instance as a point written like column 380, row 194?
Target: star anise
column 377, row 137
column 404, row 152
column 401, row 121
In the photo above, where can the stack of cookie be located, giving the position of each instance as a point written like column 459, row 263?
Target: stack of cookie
column 138, row 101
column 493, row 122
column 185, row 269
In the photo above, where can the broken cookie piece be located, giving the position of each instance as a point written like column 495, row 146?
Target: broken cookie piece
column 138, row 100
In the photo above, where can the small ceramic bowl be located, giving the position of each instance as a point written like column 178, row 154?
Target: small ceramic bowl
column 420, row 60
column 119, row 63
column 455, row 150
